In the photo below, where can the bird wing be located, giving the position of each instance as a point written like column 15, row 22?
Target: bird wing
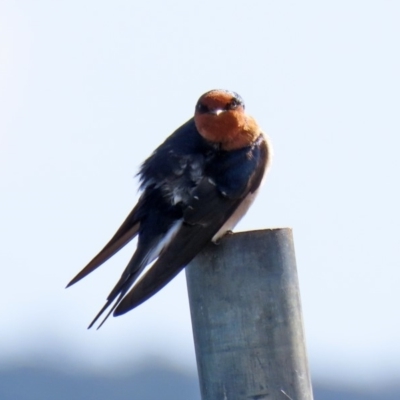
column 203, row 216
column 165, row 164
column 127, row 231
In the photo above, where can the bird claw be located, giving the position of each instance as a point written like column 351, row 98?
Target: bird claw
column 218, row 241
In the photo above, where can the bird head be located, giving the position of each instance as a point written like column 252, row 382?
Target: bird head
column 220, row 118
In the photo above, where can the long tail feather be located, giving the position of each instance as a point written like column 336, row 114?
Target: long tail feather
column 132, row 271
column 108, row 303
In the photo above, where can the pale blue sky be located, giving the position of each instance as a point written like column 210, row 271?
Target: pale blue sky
column 89, row 89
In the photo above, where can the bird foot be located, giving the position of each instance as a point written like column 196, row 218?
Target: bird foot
column 218, row 241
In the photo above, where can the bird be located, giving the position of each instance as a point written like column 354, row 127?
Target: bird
column 195, row 187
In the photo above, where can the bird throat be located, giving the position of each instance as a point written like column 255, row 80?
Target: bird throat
column 230, row 130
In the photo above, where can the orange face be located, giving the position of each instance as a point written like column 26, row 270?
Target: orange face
column 220, row 118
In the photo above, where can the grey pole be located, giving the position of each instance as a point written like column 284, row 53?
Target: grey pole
column 247, row 321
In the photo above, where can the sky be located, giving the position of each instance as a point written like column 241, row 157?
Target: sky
column 89, row 89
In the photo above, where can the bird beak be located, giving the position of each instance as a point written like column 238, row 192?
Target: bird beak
column 217, row 112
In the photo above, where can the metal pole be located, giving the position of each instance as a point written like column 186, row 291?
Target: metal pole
column 247, row 321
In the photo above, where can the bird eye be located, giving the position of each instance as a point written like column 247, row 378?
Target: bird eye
column 233, row 104
column 201, row 108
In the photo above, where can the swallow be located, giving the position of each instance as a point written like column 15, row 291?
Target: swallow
column 195, row 186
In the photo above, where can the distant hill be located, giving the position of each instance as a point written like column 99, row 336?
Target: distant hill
column 152, row 383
